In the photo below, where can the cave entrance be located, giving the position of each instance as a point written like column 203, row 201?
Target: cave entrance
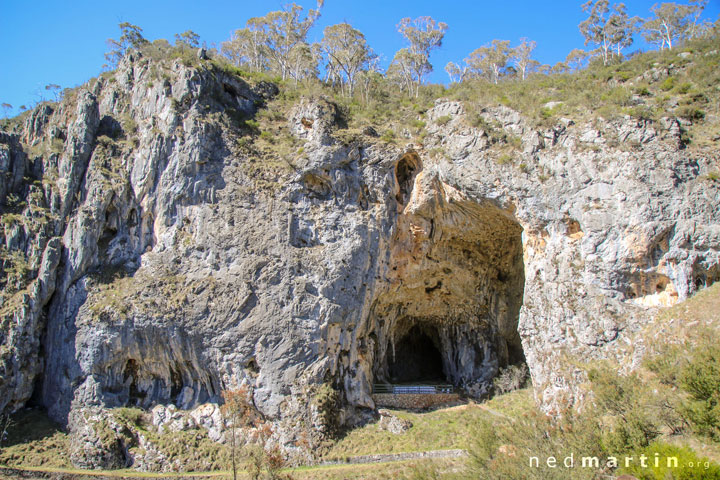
column 417, row 358
column 405, row 171
column 455, row 287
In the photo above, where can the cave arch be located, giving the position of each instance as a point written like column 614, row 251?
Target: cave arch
column 456, row 277
column 405, row 171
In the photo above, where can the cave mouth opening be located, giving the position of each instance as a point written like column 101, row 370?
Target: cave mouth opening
column 456, row 288
column 416, row 358
column 405, row 171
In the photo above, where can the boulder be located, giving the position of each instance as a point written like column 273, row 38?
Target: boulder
column 393, row 423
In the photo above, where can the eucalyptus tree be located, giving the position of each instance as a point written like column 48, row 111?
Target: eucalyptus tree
column 347, row 54
column 489, row 60
column 672, row 22
column 577, row 59
column 246, row 48
column 275, row 42
column 608, row 27
column 370, row 78
column 284, row 30
column 521, row 56
column 187, row 39
column 456, row 72
column 423, row 35
column 402, row 70
column 302, row 62
column 54, row 88
column 131, row 37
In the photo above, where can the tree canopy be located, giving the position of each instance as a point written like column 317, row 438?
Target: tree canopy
column 130, row 37
column 521, row 56
column 672, row 22
column 347, row 54
column 188, row 39
column 276, row 41
column 423, row 34
column 489, row 61
column 608, row 27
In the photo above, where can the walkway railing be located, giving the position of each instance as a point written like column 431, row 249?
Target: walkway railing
column 410, row 389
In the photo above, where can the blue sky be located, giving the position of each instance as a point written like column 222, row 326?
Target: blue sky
column 63, row 42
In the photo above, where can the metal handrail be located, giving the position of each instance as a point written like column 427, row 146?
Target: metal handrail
column 412, row 389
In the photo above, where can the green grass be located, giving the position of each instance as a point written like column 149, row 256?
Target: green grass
column 702, row 468
column 684, row 323
column 33, row 440
column 406, row 469
column 442, row 429
column 513, row 404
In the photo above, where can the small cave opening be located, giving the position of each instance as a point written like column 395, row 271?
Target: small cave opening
column 132, row 219
column 110, row 229
column 405, row 171
column 318, row 186
column 176, row 382
column 252, row 367
column 109, row 127
column 307, row 123
column 416, row 358
column 230, row 90
column 706, row 276
column 650, row 289
column 108, row 234
column 131, row 374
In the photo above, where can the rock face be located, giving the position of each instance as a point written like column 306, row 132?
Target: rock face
column 158, row 273
column 207, row 416
column 97, row 440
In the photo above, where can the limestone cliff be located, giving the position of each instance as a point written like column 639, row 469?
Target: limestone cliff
column 150, row 258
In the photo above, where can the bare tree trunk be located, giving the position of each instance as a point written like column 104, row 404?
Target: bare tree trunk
column 234, row 467
column 5, row 424
column 297, row 73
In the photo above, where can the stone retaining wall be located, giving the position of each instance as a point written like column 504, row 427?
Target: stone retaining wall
column 415, row 400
